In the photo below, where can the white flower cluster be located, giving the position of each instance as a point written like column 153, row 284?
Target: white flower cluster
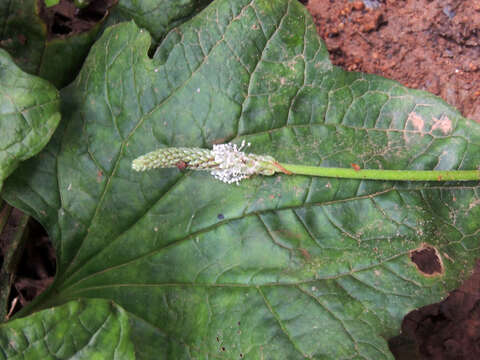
column 234, row 164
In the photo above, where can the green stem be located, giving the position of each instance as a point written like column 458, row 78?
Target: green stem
column 372, row 174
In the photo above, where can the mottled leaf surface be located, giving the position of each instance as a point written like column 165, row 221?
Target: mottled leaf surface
column 92, row 329
column 29, row 114
column 282, row 267
column 158, row 17
column 59, row 58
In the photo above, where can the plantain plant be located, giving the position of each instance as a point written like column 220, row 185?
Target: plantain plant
column 174, row 264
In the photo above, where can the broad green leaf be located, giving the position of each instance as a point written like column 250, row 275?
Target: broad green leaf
column 158, row 17
column 29, row 114
column 281, row 267
column 93, row 329
column 58, row 59
column 24, row 36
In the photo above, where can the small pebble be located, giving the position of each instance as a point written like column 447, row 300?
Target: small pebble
column 358, row 5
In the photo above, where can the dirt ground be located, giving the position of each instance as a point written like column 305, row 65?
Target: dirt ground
column 450, row 329
column 65, row 19
column 432, row 45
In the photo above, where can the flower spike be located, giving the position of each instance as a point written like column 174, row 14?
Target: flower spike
column 226, row 162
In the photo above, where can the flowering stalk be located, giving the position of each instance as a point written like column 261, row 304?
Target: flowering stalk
column 226, row 162
column 230, row 164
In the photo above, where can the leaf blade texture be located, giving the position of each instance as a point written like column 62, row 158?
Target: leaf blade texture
column 30, row 112
column 281, row 267
column 94, row 329
column 58, row 57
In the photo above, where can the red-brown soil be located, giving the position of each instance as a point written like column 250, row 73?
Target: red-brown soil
column 433, row 45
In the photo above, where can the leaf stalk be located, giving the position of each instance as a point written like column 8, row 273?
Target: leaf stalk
column 375, row 174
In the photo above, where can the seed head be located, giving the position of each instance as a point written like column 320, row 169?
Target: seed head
column 226, row 162
column 194, row 158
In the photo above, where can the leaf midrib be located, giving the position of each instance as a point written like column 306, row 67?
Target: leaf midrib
column 208, row 228
column 142, row 119
column 175, row 242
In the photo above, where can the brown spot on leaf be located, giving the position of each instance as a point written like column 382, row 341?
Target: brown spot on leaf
column 306, row 255
column 427, row 260
column 219, row 141
column 181, row 165
column 444, row 124
column 448, row 257
column 416, row 121
column 473, row 204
